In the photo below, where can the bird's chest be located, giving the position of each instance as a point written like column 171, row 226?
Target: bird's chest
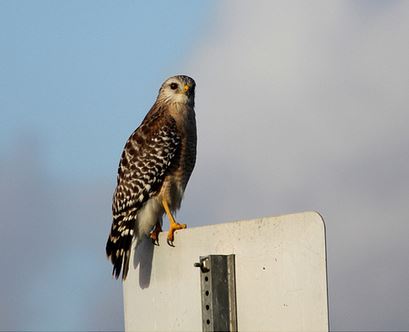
column 182, row 166
column 176, row 178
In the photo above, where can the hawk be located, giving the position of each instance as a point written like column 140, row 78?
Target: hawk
column 153, row 172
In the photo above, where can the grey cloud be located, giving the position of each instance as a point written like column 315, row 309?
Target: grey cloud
column 304, row 106
column 54, row 272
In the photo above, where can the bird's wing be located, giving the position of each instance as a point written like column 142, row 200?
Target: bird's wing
column 145, row 160
column 147, row 155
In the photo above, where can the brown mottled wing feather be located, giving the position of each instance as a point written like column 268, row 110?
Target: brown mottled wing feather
column 147, row 155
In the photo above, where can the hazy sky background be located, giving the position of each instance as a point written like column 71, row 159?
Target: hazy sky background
column 300, row 106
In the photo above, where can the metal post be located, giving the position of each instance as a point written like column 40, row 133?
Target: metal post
column 218, row 290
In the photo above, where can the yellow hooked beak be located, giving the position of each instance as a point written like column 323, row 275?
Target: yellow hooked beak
column 186, row 88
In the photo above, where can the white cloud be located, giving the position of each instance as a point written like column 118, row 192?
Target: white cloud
column 304, row 106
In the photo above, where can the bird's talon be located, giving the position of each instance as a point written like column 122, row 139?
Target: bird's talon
column 154, row 238
column 171, row 234
column 154, row 235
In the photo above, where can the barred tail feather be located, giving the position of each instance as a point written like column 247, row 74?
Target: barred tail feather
column 118, row 247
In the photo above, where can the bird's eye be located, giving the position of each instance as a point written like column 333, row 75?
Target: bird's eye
column 173, row 86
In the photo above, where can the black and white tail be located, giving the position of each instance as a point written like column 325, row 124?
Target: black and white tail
column 118, row 248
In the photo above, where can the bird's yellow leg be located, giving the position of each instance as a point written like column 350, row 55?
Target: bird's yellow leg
column 174, row 226
column 154, row 235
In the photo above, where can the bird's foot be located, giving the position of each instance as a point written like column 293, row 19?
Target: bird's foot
column 171, row 234
column 154, row 235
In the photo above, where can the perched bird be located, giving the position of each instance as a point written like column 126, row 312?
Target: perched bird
column 153, row 172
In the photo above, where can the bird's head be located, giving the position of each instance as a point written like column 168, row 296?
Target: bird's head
column 178, row 89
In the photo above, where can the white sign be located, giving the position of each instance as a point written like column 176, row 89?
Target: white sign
column 280, row 276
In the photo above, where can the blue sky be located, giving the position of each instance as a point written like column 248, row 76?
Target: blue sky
column 300, row 106
column 80, row 75
column 76, row 78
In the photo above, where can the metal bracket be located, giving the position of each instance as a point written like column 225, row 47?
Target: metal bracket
column 218, row 290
